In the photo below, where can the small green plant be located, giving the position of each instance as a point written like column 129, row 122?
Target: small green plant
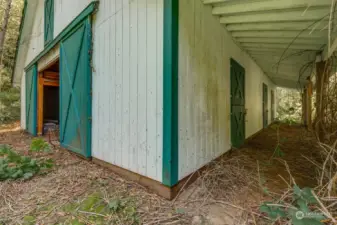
column 39, row 145
column 99, row 209
column 29, row 220
column 299, row 212
column 278, row 151
column 14, row 166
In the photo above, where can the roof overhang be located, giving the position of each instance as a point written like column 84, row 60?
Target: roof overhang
column 282, row 36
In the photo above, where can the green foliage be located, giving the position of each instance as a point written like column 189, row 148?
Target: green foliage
column 278, row 151
column 39, row 145
column 12, row 33
column 299, row 213
column 289, row 105
column 29, row 220
column 100, row 210
column 9, row 104
column 9, row 96
column 14, row 166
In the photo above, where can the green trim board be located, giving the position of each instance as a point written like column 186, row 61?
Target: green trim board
column 81, row 17
column 170, row 93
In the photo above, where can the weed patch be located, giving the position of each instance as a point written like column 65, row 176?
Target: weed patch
column 39, row 145
column 14, row 166
column 101, row 210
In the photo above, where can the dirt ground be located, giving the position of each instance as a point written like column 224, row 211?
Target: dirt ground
column 229, row 191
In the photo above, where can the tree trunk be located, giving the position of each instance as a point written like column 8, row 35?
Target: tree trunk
column 3, row 32
column 4, row 28
column 322, row 79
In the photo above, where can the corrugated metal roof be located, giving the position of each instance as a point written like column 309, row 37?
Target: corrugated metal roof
column 296, row 30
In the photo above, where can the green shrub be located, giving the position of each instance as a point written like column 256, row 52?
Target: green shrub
column 9, row 105
column 14, row 166
column 39, row 145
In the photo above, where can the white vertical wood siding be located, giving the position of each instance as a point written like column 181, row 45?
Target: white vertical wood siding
column 205, row 49
column 66, row 11
column 36, row 40
column 35, row 44
column 127, row 85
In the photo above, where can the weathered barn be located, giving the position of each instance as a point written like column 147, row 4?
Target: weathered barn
column 156, row 89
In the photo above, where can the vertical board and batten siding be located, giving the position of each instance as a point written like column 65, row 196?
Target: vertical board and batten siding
column 127, row 85
column 35, row 45
column 205, row 49
column 66, row 11
column 36, row 40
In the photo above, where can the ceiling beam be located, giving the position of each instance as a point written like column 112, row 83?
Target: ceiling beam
column 279, row 34
column 281, row 46
column 286, row 73
column 293, row 84
column 292, row 76
column 277, row 51
column 216, row 1
column 235, row 7
column 284, row 26
column 276, row 16
column 272, row 61
column 276, row 58
column 286, row 68
column 282, row 40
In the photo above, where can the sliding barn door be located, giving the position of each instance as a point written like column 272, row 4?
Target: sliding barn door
column 265, row 105
column 31, row 100
column 75, row 90
column 237, row 104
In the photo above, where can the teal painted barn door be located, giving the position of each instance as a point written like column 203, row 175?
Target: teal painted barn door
column 75, row 90
column 265, row 105
column 31, row 100
column 237, row 104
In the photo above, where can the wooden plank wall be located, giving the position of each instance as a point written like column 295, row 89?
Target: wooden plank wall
column 65, row 11
column 205, row 49
column 127, row 85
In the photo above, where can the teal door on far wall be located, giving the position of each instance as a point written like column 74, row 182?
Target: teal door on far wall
column 31, row 100
column 75, row 90
column 265, row 105
column 272, row 106
column 237, row 104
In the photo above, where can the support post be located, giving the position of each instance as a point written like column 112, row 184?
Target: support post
column 308, row 94
column 322, row 76
column 304, row 108
column 40, row 105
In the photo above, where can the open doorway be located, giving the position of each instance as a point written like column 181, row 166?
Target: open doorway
column 49, row 99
